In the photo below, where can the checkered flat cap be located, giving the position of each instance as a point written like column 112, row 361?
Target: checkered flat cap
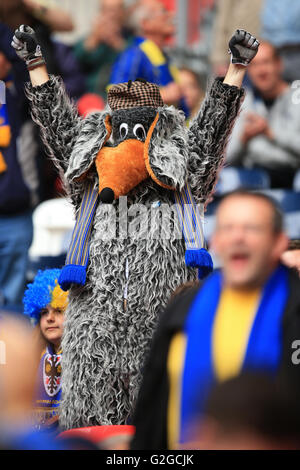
column 134, row 94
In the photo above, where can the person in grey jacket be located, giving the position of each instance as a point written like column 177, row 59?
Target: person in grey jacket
column 111, row 318
column 267, row 133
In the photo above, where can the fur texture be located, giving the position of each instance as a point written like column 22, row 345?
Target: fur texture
column 168, row 149
column 104, row 345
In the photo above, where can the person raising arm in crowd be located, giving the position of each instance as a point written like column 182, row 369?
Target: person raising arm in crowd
column 97, row 52
column 267, row 133
column 145, row 58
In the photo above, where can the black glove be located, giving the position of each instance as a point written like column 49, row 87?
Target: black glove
column 242, row 47
column 27, row 48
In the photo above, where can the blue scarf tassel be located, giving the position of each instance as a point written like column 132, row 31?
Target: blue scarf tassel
column 70, row 274
column 200, row 259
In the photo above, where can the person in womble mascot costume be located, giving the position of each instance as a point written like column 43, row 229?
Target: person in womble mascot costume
column 137, row 157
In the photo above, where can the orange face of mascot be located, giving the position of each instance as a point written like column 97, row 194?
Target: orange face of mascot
column 123, row 162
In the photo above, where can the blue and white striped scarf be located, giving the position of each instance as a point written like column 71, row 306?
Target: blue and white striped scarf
column 196, row 256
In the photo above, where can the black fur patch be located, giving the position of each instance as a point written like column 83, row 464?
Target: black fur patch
column 143, row 115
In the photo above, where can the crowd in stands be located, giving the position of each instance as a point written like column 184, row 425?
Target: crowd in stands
column 135, row 39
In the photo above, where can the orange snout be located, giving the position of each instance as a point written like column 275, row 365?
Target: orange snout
column 121, row 168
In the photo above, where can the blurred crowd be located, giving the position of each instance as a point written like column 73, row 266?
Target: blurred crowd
column 137, row 39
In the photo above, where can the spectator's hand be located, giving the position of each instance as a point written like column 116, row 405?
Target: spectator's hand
column 115, row 40
column 31, row 4
column 99, row 28
column 254, row 125
column 268, row 132
column 291, row 258
column 53, row 16
column 104, row 28
column 171, row 93
column 242, row 47
column 25, row 44
column 111, row 32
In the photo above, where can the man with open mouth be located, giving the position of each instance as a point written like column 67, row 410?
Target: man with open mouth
column 245, row 317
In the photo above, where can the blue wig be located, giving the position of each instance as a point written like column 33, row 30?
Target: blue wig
column 39, row 293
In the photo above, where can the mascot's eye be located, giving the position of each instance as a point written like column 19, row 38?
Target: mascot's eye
column 139, row 132
column 123, row 130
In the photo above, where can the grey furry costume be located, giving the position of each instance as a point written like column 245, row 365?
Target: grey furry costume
column 104, row 346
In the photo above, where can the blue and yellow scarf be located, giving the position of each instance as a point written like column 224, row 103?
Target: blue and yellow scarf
column 192, row 349
column 196, row 256
column 5, row 132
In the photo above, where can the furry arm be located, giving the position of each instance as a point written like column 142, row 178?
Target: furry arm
column 57, row 117
column 208, row 136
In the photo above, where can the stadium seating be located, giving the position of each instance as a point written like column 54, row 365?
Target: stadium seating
column 231, row 179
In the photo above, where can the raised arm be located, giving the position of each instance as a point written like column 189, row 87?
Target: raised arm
column 209, row 132
column 51, row 108
column 56, row 18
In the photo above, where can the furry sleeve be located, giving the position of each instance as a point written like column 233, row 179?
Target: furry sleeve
column 57, row 117
column 208, row 136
